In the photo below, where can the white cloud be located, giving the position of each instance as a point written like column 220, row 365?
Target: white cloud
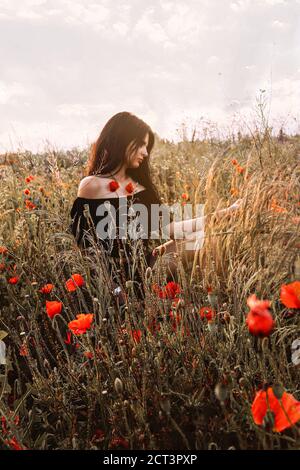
column 9, row 91
column 151, row 29
column 240, row 5
column 213, row 60
column 69, row 65
column 121, row 28
column 280, row 24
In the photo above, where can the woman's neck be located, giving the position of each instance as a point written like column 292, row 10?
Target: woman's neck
column 121, row 175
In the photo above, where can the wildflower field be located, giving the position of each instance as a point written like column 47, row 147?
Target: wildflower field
column 211, row 360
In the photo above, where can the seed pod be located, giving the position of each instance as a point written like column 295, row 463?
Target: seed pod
column 165, row 405
column 226, row 317
column 221, row 392
column 242, row 382
column 129, row 284
column 118, row 386
column 148, row 273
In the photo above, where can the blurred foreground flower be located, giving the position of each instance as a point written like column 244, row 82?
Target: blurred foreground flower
column 290, row 295
column 83, row 323
column 286, row 410
column 259, row 320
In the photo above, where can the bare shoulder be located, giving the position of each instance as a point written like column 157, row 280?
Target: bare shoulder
column 92, row 187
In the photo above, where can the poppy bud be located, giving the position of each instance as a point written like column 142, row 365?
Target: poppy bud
column 221, row 392
column 242, row 382
column 118, row 386
column 148, row 273
column 165, row 405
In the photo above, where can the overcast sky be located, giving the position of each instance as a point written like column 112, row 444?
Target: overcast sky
column 67, row 66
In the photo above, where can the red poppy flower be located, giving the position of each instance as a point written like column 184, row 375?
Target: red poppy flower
column 26, row 191
column 286, row 411
column 47, row 288
column 3, row 250
column 276, row 208
column 53, row 307
column 129, row 187
column 290, row 295
column 136, row 335
column 207, row 313
column 13, row 280
column 240, row 169
column 29, row 178
column 185, row 196
column 234, row 161
column 169, row 291
column 83, row 323
column 113, row 186
column 29, row 205
column 14, row 444
column 75, row 282
column 259, row 320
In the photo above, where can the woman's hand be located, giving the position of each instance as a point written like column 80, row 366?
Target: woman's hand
column 168, row 247
column 236, row 205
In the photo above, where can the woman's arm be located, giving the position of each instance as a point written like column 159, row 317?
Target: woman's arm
column 178, row 230
column 190, row 233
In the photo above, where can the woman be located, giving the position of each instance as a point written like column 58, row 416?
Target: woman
column 119, row 178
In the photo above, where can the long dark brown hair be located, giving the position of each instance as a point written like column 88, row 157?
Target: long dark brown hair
column 108, row 153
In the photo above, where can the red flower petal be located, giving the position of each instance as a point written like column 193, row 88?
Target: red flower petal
column 83, row 323
column 113, row 186
column 290, row 295
column 286, row 411
column 129, row 187
column 53, row 307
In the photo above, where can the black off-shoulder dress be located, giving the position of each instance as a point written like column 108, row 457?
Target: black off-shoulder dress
column 88, row 215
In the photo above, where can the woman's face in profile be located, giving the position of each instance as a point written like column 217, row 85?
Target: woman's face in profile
column 136, row 158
